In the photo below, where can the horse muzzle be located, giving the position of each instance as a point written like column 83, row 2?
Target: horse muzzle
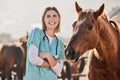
column 71, row 55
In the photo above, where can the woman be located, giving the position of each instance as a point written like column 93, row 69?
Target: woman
column 45, row 55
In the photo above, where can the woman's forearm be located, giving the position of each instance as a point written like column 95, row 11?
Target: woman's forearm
column 45, row 55
column 52, row 61
column 45, row 63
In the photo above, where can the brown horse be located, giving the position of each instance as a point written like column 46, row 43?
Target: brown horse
column 10, row 60
column 22, row 44
column 93, row 30
column 13, row 58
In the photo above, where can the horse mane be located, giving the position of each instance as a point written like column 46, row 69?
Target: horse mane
column 115, row 25
column 111, row 22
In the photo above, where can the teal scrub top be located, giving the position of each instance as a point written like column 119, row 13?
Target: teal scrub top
column 35, row 72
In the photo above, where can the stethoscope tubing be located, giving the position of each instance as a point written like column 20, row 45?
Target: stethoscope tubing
column 45, row 36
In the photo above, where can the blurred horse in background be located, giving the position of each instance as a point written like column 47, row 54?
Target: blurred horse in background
column 10, row 58
column 13, row 58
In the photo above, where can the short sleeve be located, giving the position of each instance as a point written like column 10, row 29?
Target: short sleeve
column 34, row 37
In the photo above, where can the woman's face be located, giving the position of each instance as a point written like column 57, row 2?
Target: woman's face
column 51, row 20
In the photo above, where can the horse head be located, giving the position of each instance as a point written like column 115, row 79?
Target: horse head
column 85, row 32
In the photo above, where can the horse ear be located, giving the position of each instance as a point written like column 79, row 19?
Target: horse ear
column 74, row 24
column 78, row 8
column 99, row 11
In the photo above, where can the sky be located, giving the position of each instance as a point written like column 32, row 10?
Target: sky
column 19, row 16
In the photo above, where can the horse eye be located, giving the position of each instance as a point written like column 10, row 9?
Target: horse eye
column 89, row 27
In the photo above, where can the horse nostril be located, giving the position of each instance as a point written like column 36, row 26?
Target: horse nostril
column 69, row 51
column 72, row 51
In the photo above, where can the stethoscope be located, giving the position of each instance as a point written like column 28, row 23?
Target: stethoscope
column 45, row 36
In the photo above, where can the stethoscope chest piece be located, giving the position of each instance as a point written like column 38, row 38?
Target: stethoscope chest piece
column 56, row 56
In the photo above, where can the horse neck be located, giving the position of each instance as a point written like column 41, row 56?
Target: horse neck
column 108, row 44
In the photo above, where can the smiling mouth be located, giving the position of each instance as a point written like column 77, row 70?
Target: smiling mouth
column 52, row 23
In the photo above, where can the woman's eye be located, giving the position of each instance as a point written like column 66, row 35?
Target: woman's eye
column 54, row 15
column 89, row 27
column 48, row 16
